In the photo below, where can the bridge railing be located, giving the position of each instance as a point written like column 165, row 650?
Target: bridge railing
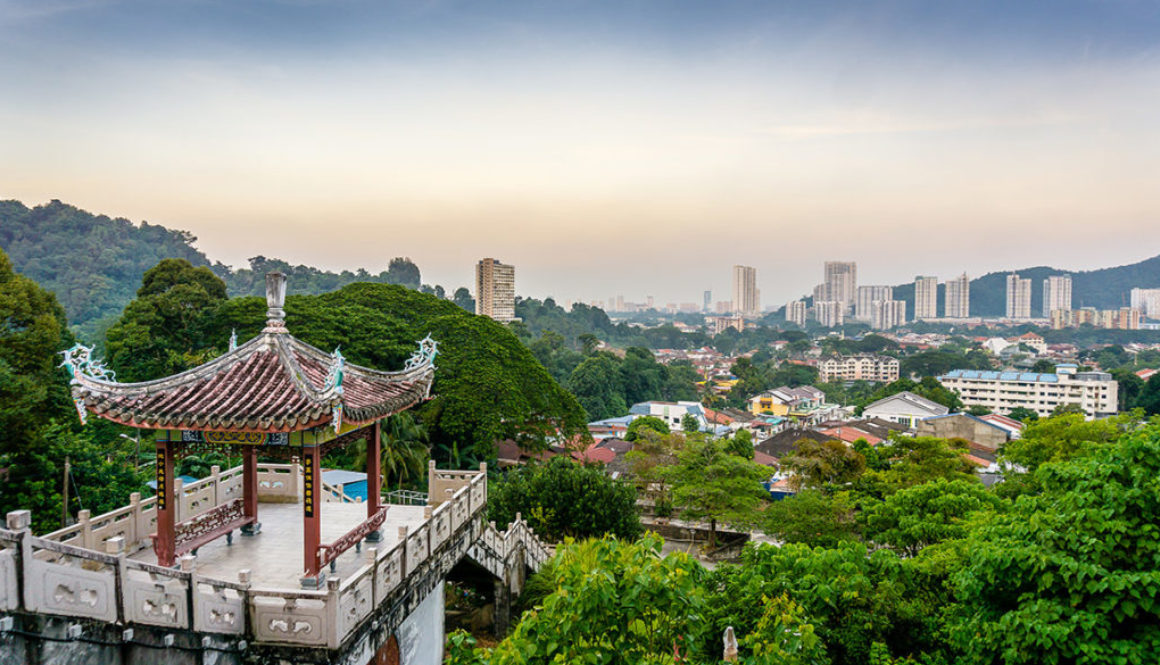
column 55, row 575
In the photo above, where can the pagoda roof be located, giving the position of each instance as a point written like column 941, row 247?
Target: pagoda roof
column 272, row 383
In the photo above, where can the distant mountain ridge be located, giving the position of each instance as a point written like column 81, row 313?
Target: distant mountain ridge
column 94, row 263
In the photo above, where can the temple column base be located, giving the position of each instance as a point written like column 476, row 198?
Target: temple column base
column 251, row 529
column 314, row 583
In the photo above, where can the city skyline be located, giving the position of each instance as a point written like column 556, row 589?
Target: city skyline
column 339, row 137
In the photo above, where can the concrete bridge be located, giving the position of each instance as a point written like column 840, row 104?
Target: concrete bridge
column 93, row 592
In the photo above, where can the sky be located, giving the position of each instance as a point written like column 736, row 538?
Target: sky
column 604, row 148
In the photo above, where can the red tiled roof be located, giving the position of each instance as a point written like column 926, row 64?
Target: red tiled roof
column 763, row 459
column 273, row 383
column 851, row 434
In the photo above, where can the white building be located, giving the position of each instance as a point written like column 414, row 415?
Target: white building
column 958, row 297
column 1094, row 392
column 830, row 313
column 1056, row 294
column 882, row 369
column 867, row 296
column 671, row 412
column 795, row 312
column 888, row 314
column 841, row 281
column 905, row 408
column 1018, row 297
column 745, row 299
column 1147, row 302
column 495, row 290
column 925, row 298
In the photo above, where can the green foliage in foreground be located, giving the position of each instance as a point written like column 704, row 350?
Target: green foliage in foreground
column 562, row 498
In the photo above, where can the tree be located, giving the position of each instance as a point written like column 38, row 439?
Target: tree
column 596, row 384
column 1069, row 576
column 817, row 464
column 921, row 459
column 565, row 499
column 1023, row 414
column 709, row 483
column 643, row 423
column 1060, row 438
column 689, row 423
column 614, row 602
column 1129, row 388
column 915, row 517
column 1149, row 397
column 741, row 444
column 812, row 517
column 463, row 299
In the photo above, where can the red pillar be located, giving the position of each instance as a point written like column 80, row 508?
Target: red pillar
column 164, row 543
column 250, row 489
column 374, row 469
column 311, row 513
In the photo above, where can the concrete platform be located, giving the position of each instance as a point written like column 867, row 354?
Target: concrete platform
column 274, row 556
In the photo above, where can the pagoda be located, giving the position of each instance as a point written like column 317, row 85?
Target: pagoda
column 273, row 396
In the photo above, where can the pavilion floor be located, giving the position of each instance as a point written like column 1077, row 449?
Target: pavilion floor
column 274, row 556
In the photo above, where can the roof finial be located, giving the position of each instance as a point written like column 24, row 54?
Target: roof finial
column 275, row 298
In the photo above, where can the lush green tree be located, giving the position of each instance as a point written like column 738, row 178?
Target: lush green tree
column 1060, row 438
column 462, row 298
column 812, row 517
column 645, row 423
column 741, row 443
column 1070, row 575
column 613, row 603
column 914, row 460
column 563, row 498
column 689, row 423
column 1023, row 414
column 710, row 483
column 1149, row 396
column 925, row 514
column 596, row 384
column 817, row 464
column 936, row 362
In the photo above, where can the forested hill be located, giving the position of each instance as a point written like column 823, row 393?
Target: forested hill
column 1106, row 288
column 94, row 263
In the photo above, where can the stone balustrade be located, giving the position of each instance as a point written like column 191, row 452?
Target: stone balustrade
column 84, row 571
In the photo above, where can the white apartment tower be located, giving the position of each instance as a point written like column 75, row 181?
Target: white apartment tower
column 830, row 313
column 795, row 312
column 841, row 281
column 745, row 297
column 1056, row 294
column 925, row 298
column 867, row 296
column 888, row 314
column 1147, row 302
column 1018, row 297
column 495, row 290
column 958, row 297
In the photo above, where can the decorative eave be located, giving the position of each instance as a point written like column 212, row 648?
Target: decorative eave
column 272, row 383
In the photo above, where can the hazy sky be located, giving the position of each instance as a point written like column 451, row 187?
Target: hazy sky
column 628, row 147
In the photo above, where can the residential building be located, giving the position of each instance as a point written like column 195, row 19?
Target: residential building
column 802, row 404
column 867, row 296
column 1056, row 294
column 745, row 299
column 671, row 412
column 1013, row 427
column 708, row 301
column 964, row 426
column 925, row 298
column 821, row 293
column 858, row 368
column 1094, row 392
column 830, row 313
column 1147, row 302
column 719, row 324
column 958, row 297
column 795, row 312
column 841, row 281
column 495, row 290
column 904, row 408
column 888, row 314
column 1018, row 297
column 1125, row 318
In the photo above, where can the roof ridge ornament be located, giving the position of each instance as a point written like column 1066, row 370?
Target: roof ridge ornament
column 337, row 370
column 275, row 299
column 425, row 356
column 233, row 339
column 79, row 362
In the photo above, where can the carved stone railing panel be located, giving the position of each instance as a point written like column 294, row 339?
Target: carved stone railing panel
column 278, row 483
column 155, row 598
column 355, row 602
column 66, row 580
column 290, row 618
column 440, row 525
column 459, row 508
column 478, row 492
column 219, row 608
column 229, row 485
column 10, row 542
column 196, row 497
column 416, row 546
column 388, row 572
column 442, row 484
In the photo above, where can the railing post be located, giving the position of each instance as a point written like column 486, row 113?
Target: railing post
column 403, row 550
column 334, row 612
column 430, row 480
column 135, row 520
column 215, row 474
column 84, row 518
column 178, row 498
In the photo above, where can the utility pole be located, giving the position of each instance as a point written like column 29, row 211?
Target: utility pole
column 64, row 505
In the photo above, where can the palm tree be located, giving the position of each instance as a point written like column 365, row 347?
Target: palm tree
column 404, row 450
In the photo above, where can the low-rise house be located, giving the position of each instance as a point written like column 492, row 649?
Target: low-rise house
column 905, row 408
column 785, row 442
column 674, row 412
column 1014, row 427
column 611, row 427
column 849, row 434
column 967, row 427
column 802, row 404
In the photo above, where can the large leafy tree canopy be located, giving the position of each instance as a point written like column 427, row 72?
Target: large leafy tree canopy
column 487, row 388
column 562, row 498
